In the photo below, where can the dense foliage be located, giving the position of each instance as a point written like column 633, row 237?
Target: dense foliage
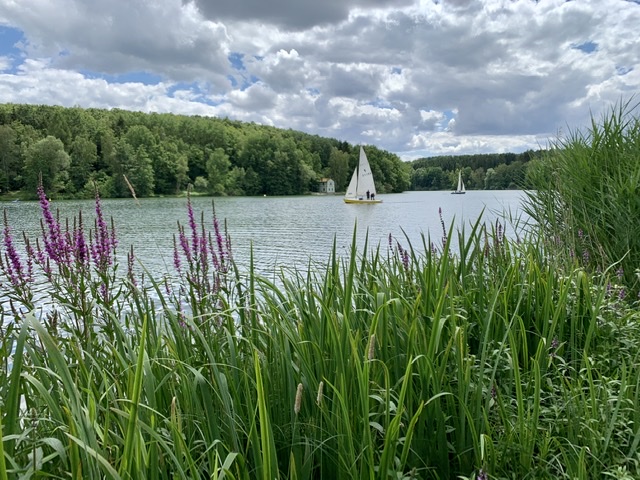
column 75, row 149
column 499, row 171
column 586, row 193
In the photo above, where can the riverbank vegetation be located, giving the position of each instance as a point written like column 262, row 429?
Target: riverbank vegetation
column 468, row 356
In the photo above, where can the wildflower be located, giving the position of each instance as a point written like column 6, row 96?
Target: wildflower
column 103, row 248
column 482, row 475
column 193, row 226
column 176, row 255
column 620, row 273
column 54, row 242
column 14, row 268
column 621, row 294
column 298, row 402
column 81, row 250
column 130, row 261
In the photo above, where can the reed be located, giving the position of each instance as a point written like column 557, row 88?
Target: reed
column 584, row 194
column 399, row 361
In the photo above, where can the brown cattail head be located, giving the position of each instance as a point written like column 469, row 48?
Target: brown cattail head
column 319, row 397
column 296, row 406
column 372, row 348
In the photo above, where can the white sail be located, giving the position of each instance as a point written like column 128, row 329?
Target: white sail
column 460, row 188
column 362, row 187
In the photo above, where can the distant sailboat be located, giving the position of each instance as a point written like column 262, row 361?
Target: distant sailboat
column 460, row 190
column 362, row 188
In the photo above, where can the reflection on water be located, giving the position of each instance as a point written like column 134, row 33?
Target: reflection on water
column 283, row 231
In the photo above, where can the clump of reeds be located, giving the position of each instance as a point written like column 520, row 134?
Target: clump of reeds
column 584, row 196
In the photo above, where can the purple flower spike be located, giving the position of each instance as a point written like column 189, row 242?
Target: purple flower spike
column 193, row 226
column 103, row 246
column 14, row 267
column 54, row 243
column 176, row 256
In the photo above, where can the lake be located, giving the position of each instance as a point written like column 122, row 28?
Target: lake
column 284, row 231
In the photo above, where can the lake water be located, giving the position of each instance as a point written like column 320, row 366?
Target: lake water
column 284, row 231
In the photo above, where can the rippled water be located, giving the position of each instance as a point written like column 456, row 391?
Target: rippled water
column 284, row 231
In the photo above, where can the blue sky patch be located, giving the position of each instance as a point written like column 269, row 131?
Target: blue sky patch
column 9, row 37
column 236, row 60
column 586, row 47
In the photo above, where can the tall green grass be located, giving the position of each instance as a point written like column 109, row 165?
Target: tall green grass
column 408, row 361
column 585, row 194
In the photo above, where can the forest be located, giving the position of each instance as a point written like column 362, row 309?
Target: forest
column 76, row 151
column 497, row 171
column 119, row 152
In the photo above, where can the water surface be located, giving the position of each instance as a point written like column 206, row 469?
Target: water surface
column 285, row 231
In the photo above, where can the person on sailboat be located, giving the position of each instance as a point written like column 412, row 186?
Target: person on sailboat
column 368, row 195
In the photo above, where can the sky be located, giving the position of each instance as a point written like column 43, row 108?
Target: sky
column 418, row 78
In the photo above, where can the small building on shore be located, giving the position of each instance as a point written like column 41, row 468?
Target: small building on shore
column 326, row 185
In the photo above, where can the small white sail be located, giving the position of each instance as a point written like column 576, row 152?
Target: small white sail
column 460, row 188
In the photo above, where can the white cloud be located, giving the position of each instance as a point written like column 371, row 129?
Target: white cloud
column 415, row 77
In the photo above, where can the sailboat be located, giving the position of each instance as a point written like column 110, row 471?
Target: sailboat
column 460, row 190
column 362, row 188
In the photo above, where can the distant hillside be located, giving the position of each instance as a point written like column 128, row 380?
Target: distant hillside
column 75, row 150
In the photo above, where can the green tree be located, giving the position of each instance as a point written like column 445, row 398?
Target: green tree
column 9, row 157
column 218, row 165
column 83, row 159
column 339, row 168
column 47, row 159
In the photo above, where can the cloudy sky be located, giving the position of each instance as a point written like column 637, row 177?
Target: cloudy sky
column 415, row 77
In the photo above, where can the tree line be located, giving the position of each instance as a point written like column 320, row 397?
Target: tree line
column 498, row 171
column 75, row 150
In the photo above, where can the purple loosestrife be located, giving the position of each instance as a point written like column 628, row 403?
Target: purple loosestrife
column 223, row 252
column 103, row 246
column 12, row 266
column 184, row 244
column 55, row 243
column 176, row 256
column 194, row 228
column 81, row 249
column 130, row 272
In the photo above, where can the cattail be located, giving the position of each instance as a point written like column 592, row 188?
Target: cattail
column 319, row 397
column 298, row 402
column 372, row 348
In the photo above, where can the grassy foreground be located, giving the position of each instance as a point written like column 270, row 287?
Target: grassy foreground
column 488, row 364
column 503, row 360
